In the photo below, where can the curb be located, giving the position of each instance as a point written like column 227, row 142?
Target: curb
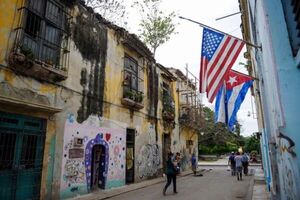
column 259, row 191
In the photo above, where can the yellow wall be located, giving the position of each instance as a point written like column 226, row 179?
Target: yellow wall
column 9, row 17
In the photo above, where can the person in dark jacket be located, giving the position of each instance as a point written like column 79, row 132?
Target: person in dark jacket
column 194, row 163
column 171, row 175
column 231, row 161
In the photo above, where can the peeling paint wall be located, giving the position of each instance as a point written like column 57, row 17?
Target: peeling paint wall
column 90, row 103
column 149, row 156
column 8, row 21
column 90, row 38
column 147, row 146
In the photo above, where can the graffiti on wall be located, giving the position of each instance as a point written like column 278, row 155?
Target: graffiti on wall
column 151, row 134
column 289, row 172
column 74, row 172
column 184, row 162
column 117, row 158
column 79, row 139
column 148, row 160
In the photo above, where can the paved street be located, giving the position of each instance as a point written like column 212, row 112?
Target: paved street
column 214, row 184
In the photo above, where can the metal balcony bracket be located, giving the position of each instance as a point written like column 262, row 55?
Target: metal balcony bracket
column 291, row 143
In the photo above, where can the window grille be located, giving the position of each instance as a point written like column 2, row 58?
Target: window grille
column 292, row 16
column 43, row 31
column 132, row 77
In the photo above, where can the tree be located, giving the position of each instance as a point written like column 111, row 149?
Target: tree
column 252, row 144
column 112, row 10
column 217, row 139
column 156, row 27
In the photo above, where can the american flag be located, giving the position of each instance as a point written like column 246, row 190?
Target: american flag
column 219, row 52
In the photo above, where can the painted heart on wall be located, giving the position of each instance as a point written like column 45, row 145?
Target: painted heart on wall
column 107, row 136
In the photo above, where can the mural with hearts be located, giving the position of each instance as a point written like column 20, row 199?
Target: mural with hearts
column 93, row 157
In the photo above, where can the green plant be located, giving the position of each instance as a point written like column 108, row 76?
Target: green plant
column 156, row 26
column 27, row 52
column 130, row 94
column 139, row 97
column 49, row 61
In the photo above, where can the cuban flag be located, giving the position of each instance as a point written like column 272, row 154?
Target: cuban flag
column 230, row 97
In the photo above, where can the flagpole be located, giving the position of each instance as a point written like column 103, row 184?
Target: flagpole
column 206, row 26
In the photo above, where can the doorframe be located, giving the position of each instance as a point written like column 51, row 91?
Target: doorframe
column 29, row 128
column 165, row 148
column 88, row 158
column 101, row 168
column 131, row 143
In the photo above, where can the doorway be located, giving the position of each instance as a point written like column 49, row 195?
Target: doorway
column 98, row 167
column 22, row 141
column 130, row 137
column 166, row 148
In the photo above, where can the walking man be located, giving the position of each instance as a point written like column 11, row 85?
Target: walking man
column 245, row 161
column 232, row 163
column 194, row 163
column 171, row 175
column 238, row 165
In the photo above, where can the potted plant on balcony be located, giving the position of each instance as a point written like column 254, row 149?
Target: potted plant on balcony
column 139, row 99
column 128, row 98
column 168, row 113
column 49, row 61
column 27, row 52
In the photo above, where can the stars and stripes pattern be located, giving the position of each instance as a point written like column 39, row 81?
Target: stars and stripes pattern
column 219, row 52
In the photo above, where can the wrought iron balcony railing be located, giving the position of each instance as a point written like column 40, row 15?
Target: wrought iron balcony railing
column 41, row 43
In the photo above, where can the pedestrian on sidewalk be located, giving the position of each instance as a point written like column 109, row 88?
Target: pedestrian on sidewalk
column 176, row 162
column 171, row 174
column 231, row 162
column 238, row 165
column 245, row 162
column 194, row 163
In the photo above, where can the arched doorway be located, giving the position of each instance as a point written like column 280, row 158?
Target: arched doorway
column 98, row 167
column 96, row 162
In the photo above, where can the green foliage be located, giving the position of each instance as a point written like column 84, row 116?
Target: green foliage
column 217, row 139
column 28, row 53
column 156, row 26
column 112, row 10
column 139, row 97
column 252, row 144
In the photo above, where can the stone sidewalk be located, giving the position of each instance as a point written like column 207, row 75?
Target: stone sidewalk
column 260, row 188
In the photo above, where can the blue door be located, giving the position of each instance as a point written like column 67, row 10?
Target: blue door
column 21, row 156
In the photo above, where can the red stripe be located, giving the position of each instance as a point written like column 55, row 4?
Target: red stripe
column 221, row 52
column 230, row 64
column 228, row 54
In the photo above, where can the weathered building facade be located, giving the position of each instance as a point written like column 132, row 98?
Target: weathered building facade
column 83, row 104
column 274, row 25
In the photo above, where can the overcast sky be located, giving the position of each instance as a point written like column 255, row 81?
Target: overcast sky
column 184, row 48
